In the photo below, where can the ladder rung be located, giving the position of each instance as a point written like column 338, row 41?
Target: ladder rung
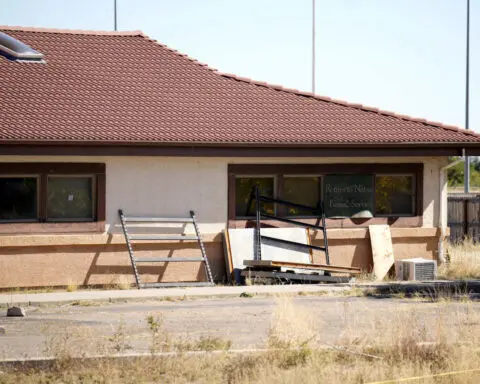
column 159, row 219
column 164, row 237
column 166, row 285
column 167, row 259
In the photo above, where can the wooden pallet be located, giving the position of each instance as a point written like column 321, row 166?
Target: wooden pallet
column 270, row 264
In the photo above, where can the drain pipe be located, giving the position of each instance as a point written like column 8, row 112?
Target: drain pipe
column 441, row 251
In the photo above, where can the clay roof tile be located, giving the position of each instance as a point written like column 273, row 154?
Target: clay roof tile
column 124, row 87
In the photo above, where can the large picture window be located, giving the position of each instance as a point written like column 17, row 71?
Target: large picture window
column 18, row 198
column 70, row 198
column 352, row 191
column 52, row 192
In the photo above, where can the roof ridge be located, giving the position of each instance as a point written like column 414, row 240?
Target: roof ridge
column 297, row 92
column 174, row 51
column 70, row 31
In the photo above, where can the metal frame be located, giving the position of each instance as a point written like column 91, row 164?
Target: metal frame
column 290, row 277
column 128, row 239
column 318, row 211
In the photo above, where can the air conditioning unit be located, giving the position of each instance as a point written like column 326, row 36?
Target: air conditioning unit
column 415, row 269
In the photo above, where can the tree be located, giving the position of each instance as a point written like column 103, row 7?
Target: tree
column 456, row 173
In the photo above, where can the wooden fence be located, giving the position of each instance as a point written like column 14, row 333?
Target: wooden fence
column 464, row 216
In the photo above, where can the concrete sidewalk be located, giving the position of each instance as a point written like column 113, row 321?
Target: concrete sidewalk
column 146, row 294
column 432, row 288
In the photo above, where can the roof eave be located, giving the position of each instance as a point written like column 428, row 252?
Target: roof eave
column 70, row 143
column 237, row 150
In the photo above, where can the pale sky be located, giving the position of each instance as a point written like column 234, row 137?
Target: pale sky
column 406, row 56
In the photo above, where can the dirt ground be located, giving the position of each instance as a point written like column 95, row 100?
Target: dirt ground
column 244, row 321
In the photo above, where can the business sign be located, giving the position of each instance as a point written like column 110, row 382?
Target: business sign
column 348, row 195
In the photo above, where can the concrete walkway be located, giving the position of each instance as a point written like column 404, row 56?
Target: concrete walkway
column 383, row 288
column 146, row 294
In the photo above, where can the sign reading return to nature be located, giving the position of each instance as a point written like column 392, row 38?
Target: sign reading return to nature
column 348, row 195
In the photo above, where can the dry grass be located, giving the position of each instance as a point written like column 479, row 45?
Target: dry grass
column 121, row 282
column 71, row 287
column 403, row 343
column 463, row 261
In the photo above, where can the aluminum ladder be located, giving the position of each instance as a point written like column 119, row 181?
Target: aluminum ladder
column 154, row 237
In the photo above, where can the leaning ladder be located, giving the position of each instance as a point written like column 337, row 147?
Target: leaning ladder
column 152, row 220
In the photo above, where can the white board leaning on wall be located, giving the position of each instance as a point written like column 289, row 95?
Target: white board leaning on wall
column 242, row 246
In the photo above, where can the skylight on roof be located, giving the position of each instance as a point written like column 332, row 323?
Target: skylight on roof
column 14, row 49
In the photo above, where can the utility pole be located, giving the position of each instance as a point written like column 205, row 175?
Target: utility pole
column 115, row 14
column 313, row 46
column 466, row 173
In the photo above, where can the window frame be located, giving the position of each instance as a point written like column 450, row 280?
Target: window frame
column 66, row 169
column 281, row 170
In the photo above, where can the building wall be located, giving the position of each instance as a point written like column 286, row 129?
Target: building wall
column 172, row 186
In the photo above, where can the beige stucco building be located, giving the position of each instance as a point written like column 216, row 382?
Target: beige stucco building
column 162, row 134
column 172, row 185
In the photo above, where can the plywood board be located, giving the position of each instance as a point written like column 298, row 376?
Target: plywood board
column 242, row 246
column 228, row 256
column 382, row 250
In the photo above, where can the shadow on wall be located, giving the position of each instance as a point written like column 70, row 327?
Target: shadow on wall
column 104, row 264
column 155, row 272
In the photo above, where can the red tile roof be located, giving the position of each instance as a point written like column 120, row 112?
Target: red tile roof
column 122, row 87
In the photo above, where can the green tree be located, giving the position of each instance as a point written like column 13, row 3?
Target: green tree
column 456, row 173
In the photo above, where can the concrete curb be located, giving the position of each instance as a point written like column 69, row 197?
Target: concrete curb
column 431, row 288
column 38, row 362
column 35, row 299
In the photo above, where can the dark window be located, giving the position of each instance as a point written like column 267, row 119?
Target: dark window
column 18, row 198
column 304, row 190
column 243, row 188
column 37, row 193
column 70, row 198
column 394, row 195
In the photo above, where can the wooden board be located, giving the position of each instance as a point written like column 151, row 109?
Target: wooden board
column 295, row 276
column 284, row 264
column 228, row 256
column 382, row 250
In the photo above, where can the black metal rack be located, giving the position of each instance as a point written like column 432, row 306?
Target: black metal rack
column 317, row 211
